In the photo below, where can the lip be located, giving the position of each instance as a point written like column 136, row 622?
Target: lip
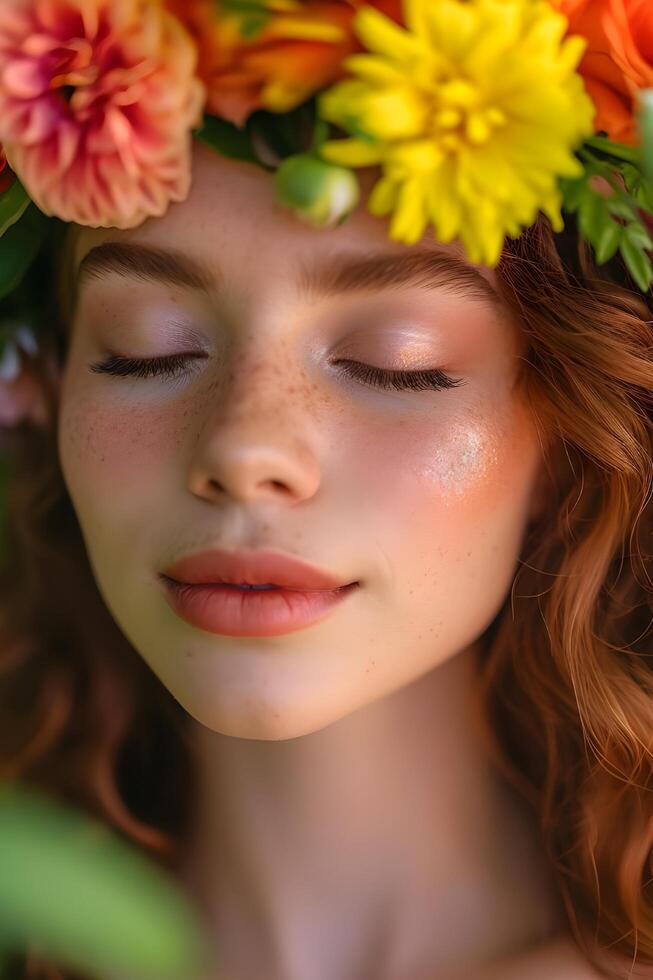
column 253, row 568
column 228, row 611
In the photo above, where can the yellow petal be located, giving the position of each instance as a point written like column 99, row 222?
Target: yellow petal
column 483, row 243
column 444, row 210
column 380, row 34
column 352, row 152
column 304, row 30
column 551, row 206
column 415, row 14
column 342, row 100
column 492, row 167
column 573, row 50
column 375, row 69
column 410, row 217
column 415, row 156
column 278, row 96
column 394, row 113
column 383, row 196
column 452, row 26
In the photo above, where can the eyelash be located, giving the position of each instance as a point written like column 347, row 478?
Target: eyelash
column 376, row 377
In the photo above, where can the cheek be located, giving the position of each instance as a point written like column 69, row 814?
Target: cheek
column 460, row 464
column 450, row 500
column 111, row 457
column 451, row 465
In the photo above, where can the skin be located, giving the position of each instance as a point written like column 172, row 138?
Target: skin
column 350, row 823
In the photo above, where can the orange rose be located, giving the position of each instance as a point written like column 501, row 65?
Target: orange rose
column 296, row 48
column 618, row 60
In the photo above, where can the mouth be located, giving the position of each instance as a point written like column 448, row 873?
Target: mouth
column 246, row 587
column 250, row 569
column 247, row 610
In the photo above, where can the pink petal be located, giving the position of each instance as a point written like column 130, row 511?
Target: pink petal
column 37, row 45
column 15, row 20
column 24, row 79
column 43, row 119
column 69, row 137
column 61, row 18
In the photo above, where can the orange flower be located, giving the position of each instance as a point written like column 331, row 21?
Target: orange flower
column 6, row 176
column 296, row 48
column 98, row 99
column 618, row 60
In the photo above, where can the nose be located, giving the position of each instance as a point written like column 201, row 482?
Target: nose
column 254, row 447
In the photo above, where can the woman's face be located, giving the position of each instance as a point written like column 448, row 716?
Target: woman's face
column 264, row 441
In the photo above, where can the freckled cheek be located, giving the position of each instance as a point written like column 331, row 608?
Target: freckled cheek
column 113, row 454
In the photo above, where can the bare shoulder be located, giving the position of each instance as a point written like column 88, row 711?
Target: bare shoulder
column 557, row 959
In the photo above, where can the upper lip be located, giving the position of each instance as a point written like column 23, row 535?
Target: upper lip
column 251, row 568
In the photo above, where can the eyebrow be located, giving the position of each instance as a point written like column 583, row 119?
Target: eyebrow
column 344, row 272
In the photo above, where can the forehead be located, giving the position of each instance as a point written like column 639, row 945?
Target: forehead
column 233, row 222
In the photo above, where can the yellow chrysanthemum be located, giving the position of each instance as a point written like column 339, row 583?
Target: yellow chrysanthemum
column 473, row 112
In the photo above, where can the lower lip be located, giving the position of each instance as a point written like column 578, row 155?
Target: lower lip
column 250, row 612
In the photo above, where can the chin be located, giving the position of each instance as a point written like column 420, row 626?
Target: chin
column 265, row 722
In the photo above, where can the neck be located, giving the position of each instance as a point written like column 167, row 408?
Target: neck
column 386, row 839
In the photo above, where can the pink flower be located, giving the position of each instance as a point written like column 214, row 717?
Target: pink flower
column 97, row 102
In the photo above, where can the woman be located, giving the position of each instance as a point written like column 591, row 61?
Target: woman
column 427, row 756
column 348, row 818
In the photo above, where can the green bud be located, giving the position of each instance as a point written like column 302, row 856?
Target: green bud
column 318, row 192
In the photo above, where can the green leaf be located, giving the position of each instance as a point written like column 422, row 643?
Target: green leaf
column 608, row 147
column 88, row 901
column 13, row 204
column 643, row 194
column 607, row 242
column 19, row 247
column 621, row 207
column 645, row 120
column 320, row 134
column 592, row 216
column 638, row 235
column 284, row 133
column 226, row 138
column 632, row 176
column 638, row 263
column 573, row 192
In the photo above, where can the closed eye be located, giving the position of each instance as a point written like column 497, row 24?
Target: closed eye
column 399, row 380
column 174, row 365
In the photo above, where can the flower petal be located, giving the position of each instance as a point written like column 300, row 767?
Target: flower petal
column 352, row 152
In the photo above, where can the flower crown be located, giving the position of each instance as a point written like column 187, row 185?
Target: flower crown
column 479, row 114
